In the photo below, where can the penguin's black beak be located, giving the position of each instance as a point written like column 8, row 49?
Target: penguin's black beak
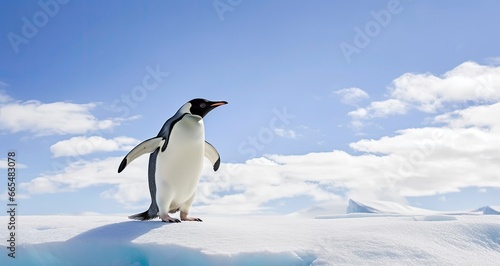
column 212, row 105
column 215, row 104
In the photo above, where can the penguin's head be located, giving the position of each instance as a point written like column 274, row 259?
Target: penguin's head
column 201, row 107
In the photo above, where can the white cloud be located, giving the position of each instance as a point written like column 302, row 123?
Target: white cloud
column 249, row 186
column 357, row 125
column 57, row 118
column 78, row 146
column 284, row 133
column 483, row 116
column 352, row 96
column 4, row 164
column 493, row 60
column 468, row 82
column 415, row 162
column 83, row 174
column 380, row 109
column 4, row 98
column 438, row 160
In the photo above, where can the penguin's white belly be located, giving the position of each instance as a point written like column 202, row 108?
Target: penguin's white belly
column 178, row 168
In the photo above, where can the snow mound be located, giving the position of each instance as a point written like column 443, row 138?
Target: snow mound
column 257, row 240
column 488, row 210
column 385, row 207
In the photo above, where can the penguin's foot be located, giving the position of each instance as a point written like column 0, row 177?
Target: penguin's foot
column 184, row 217
column 167, row 219
column 192, row 219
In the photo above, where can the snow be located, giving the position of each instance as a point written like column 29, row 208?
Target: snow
column 351, row 239
column 388, row 207
column 489, row 210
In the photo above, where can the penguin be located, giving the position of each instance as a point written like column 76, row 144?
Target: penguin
column 175, row 161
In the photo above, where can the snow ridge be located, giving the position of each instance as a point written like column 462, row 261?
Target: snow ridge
column 387, row 207
column 489, row 210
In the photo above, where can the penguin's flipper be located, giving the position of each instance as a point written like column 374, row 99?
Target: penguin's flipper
column 147, row 146
column 212, row 155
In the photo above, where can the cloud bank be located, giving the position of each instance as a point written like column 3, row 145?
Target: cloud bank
column 77, row 146
column 468, row 82
column 57, row 118
column 459, row 149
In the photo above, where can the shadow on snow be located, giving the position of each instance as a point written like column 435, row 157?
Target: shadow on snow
column 113, row 245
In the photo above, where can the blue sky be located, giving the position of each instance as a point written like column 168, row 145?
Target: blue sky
column 408, row 116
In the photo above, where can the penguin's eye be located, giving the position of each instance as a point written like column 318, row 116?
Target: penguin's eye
column 203, row 105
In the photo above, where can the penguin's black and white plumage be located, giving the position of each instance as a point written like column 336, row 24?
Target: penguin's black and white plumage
column 176, row 161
